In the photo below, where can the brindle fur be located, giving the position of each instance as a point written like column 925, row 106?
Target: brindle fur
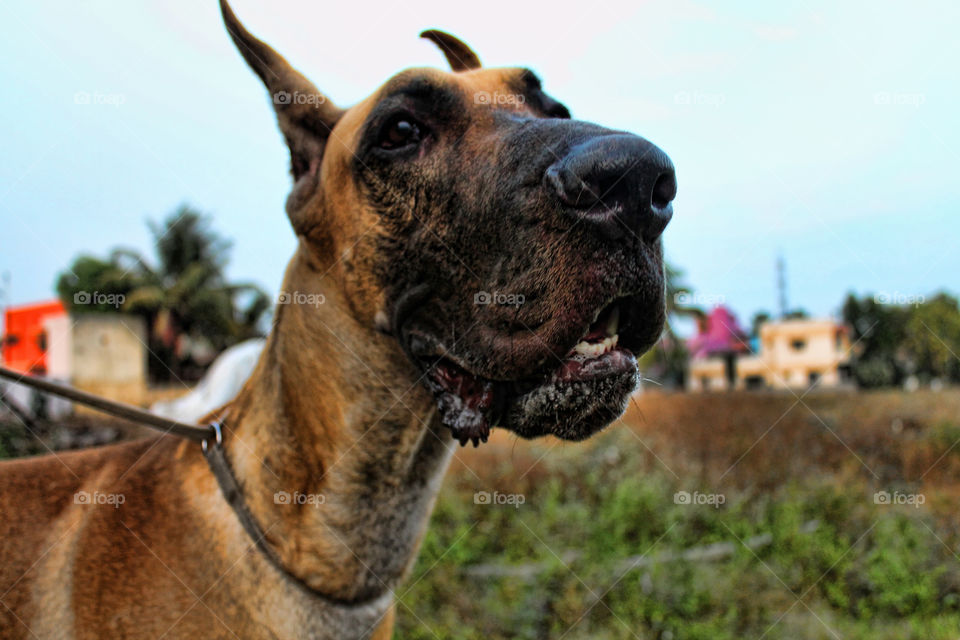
column 334, row 406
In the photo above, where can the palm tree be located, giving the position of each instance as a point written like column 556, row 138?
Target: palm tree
column 192, row 311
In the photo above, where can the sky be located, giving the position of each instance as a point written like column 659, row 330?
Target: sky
column 824, row 132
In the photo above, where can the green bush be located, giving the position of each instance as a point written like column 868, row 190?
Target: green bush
column 835, row 559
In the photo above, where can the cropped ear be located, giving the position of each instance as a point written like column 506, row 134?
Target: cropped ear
column 459, row 56
column 305, row 115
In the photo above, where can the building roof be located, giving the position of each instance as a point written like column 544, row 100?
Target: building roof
column 719, row 333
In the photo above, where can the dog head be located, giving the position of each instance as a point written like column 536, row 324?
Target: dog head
column 513, row 252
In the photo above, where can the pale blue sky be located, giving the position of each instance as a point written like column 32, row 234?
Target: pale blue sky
column 826, row 131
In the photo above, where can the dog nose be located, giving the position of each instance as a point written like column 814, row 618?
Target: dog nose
column 618, row 183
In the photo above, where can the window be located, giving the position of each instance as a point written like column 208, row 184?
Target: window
column 798, row 344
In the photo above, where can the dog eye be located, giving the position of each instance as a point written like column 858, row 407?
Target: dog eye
column 400, row 132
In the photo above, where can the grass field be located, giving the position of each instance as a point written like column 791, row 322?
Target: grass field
column 782, row 535
column 751, row 515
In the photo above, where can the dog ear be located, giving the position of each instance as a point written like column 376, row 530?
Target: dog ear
column 305, row 115
column 458, row 54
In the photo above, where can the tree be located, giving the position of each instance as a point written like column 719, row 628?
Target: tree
column 190, row 308
column 894, row 341
column 932, row 338
column 878, row 333
column 667, row 361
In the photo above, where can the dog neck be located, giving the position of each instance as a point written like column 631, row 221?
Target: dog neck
column 335, row 444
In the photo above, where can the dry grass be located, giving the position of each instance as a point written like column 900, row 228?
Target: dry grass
column 761, row 441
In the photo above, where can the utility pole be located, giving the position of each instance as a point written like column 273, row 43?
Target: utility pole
column 782, row 285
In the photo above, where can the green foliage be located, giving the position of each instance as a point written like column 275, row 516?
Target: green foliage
column 878, row 330
column 863, row 570
column 185, row 240
column 91, row 274
column 874, row 373
column 184, row 294
column 933, row 337
column 896, row 340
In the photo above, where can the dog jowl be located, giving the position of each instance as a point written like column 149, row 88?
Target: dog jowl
column 513, row 251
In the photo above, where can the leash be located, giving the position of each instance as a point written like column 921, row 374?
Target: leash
column 211, row 440
column 118, row 409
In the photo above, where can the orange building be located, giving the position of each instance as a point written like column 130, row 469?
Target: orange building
column 25, row 340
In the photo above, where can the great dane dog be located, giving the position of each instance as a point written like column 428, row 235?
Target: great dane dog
column 469, row 256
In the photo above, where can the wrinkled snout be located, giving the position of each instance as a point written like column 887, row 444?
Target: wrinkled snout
column 619, row 184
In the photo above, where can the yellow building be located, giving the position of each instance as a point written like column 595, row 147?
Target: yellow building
column 792, row 354
column 103, row 353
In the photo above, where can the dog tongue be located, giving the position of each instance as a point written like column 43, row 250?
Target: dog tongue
column 465, row 403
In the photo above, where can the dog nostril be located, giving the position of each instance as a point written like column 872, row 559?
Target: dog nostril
column 664, row 190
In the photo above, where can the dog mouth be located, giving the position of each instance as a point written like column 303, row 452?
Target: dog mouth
column 572, row 397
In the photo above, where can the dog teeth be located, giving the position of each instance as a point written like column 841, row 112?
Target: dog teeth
column 594, row 349
column 613, row 323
